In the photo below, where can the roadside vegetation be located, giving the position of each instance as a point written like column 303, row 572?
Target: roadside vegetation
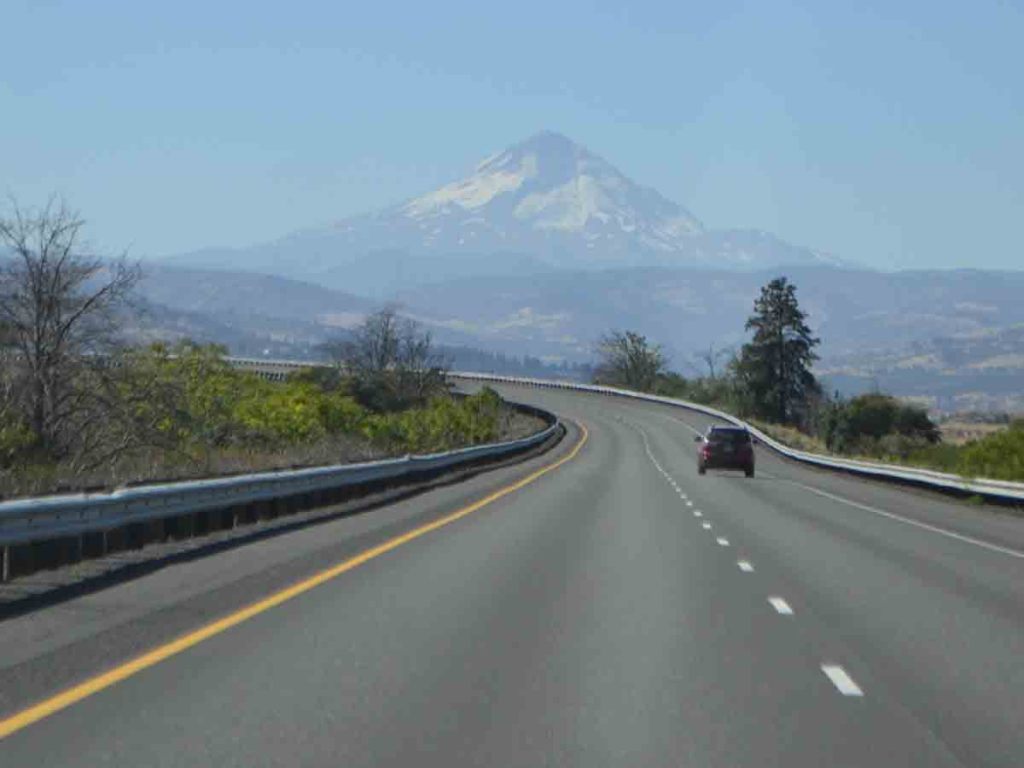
column 182, row 411
column 79, row 409
column 769, row 383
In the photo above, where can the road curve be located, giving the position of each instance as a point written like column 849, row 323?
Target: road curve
column 618, row 610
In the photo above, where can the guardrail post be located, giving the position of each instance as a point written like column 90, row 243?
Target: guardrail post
column 76, row 549
column 94, row 544
column 241, row 514
column 267, row 509
column 181, row 526
column 20, row 559
column 46, row 554
column 5, row 564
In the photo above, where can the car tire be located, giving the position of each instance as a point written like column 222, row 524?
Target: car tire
column 701, row 469
column 749, row 471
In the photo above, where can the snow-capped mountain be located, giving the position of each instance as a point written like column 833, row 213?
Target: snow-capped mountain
column 543, row 204
column 548, row 196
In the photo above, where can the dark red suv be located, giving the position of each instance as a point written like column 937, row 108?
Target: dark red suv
column 726, row 448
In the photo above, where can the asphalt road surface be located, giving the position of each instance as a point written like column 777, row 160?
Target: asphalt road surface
column 617, row 610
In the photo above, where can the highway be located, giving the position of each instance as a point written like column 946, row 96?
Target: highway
column 616, row 610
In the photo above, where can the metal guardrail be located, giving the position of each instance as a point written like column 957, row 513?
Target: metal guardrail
column 25, row 521
column 996, row 490
column 51, row 518
column 268, row 368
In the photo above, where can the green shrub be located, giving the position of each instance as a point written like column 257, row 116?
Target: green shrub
column 875, row 425
column 288, row 413
column 446, row 423
column 671, row 384
column 999, row 456
column 943, row 457
column 871, row 416
column 16, row 440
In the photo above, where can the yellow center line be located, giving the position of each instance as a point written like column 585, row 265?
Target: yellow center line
column 105, row 680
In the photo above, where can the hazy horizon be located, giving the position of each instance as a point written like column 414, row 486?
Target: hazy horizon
column 180, row 128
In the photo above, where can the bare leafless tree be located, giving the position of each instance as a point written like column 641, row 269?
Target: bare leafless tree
column 711, row 356
column 628, row 360
column 392, row 361
column 60, row 309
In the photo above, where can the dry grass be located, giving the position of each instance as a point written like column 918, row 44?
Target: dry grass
column 792, row 437
column 962, row 432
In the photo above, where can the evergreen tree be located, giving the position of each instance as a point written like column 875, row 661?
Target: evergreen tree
column 773, row 370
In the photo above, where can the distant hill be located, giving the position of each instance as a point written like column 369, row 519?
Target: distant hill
column 238, row 294
column 981, row 370
column 851, row 310
column 935, row 334
column 250, row 313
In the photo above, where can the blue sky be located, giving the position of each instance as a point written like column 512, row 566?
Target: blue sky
column 887, row 133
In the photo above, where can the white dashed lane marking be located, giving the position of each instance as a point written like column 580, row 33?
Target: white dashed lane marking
column 841, row 680
column 781, row 606
column 835, row 673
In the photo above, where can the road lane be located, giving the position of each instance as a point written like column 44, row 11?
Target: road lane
column 940, row 621
column 591, row 620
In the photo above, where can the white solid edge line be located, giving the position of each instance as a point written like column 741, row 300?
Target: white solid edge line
column 722, row 541
column 745, row 566
column 908, row 521
column 841, row 680
column 781, row 606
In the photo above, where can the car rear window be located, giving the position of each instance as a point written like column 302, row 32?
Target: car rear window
column 734, row 436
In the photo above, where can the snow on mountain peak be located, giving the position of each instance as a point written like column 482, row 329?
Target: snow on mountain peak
column 549, row 183
column 472, row 193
